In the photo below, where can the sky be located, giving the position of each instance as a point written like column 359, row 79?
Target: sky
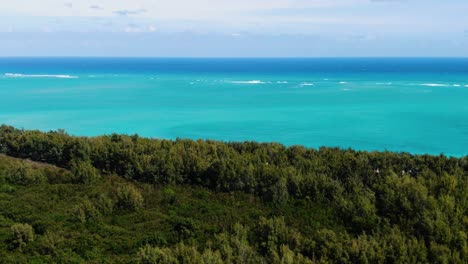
column 234, row 28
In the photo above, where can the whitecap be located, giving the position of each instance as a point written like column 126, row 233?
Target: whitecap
column 60, row 76
column 387, row 83
column 466, row 85
column 456, row 85
column 249, row 82
column 343, row 82
column 281, row 82
column 434, row 84
column 307, row 84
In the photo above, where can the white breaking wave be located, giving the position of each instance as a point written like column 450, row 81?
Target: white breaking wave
column 456, row 85
column 466, row 85
column 307, row 84
column 279, row 82
column 434, row 84
column 343, row 82
column 249, row 82
column 60, row 76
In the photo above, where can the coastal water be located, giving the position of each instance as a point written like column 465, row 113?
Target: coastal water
column 411, row 105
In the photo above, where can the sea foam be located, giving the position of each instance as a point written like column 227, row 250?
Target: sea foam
column 59, row 76
column 307, row 84
column 249, row 82
column 434, row 84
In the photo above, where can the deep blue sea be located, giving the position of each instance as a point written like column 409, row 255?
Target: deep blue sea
column 412, row 105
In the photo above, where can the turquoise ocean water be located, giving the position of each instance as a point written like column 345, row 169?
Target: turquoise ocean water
column 412, row 105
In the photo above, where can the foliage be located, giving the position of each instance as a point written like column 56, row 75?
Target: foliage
column 22, row 235
column 83, row 172
column 118, row 199
column 128, row 197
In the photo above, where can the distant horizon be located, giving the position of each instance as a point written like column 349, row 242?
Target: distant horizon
column 240, row 58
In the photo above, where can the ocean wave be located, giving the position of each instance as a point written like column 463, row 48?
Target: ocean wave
column 248, row 82
column 59, row 76
column 343, row 82
column 281, row 82
column 387, row 83
column 306, row 84
column 434, row 84
column 456, row 85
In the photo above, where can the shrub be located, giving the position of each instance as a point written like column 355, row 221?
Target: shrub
column 22, row 235
column 211, row 257
column 184, row 227
column 6, row 188
column 153, row 255
column 86, row 211
column 51, row 243
column 273, row 232
column 26, row 176
column 104, row 204
column 129, row 197
column 84, row 172
column 170, row 196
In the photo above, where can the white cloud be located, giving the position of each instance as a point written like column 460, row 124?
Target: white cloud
column 96, row 7
column 252, row 16
column 130, row 12
column 134, row 28
column 174, row 9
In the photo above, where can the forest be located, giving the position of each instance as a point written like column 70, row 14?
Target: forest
column 129, row 199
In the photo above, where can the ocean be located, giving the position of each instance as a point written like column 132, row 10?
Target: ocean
column 405, row 105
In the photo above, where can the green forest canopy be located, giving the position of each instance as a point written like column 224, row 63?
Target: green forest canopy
column 122, row 198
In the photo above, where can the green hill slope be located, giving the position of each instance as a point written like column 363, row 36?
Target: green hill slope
column 126, row 199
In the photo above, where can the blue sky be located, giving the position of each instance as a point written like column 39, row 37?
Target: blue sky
column 240, row 28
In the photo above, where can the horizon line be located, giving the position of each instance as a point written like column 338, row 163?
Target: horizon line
column 229, row 57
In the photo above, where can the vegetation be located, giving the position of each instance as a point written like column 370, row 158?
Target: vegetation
column 126, row 199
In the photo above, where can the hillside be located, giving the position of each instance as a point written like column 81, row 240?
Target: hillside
column 126, row 199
